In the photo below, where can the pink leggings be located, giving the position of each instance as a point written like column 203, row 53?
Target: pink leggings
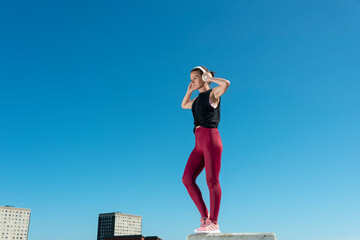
column 207, row 153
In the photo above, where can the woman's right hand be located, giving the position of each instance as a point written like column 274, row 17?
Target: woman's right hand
column 190, row 89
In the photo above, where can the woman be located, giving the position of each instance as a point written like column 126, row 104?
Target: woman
column 208, row 145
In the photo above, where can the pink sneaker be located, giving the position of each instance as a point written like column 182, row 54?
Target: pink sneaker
column 209, row 227
column 204, row 221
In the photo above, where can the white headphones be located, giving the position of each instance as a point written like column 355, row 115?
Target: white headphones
column 203, row 70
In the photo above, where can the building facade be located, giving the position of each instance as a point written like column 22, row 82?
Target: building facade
column 14, row 223
column 118, row 224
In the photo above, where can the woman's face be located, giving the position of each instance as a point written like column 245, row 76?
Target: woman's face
column 196, row 80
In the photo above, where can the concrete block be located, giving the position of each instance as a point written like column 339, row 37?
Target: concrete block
column 232, row 236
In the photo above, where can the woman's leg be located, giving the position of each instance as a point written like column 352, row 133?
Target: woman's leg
column 212, row 154
column 193, row 168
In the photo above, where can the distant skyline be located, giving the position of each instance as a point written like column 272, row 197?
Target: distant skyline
column 117, row 224
column 91, row 119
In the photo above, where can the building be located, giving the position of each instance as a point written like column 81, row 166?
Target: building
column 118, row 224
column 133, row 237
column 14, row 223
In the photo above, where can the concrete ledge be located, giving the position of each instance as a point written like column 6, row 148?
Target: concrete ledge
column 232, row 236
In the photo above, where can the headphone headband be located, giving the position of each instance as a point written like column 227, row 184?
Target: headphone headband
column 201, row 68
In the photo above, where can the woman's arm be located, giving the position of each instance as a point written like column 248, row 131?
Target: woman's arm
column 186, row 103
column 221, row 89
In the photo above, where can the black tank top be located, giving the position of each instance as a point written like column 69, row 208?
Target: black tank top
column 204, row 114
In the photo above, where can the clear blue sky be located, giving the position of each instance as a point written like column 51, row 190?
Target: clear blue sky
column 91, row 118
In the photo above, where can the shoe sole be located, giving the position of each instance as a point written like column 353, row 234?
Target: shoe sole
column 215, row 231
